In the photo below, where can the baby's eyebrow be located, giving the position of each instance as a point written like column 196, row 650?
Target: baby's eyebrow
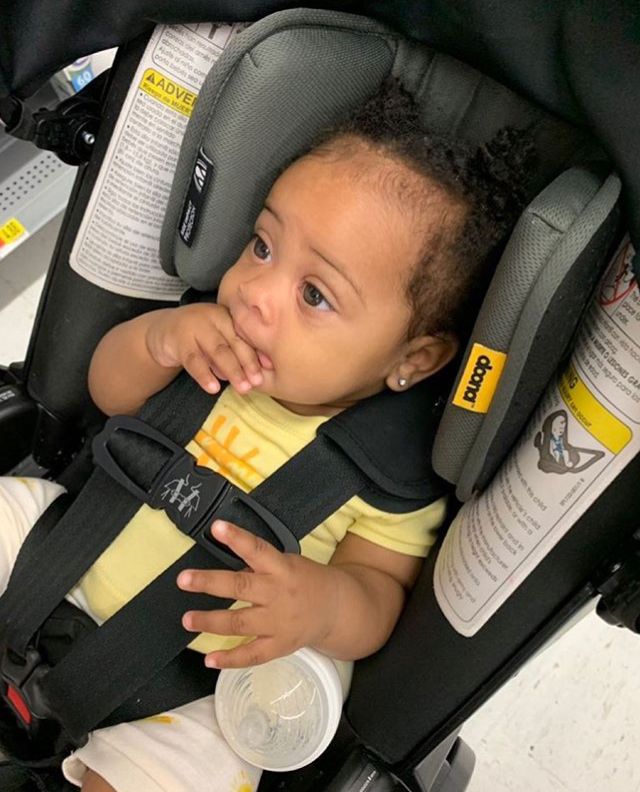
column 341, row 271
column 272, row 211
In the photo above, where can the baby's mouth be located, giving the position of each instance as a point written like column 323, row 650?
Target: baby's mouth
column 265, row 360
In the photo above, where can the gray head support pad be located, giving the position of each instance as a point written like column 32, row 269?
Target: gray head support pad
column 275, row 87
column 532, row 307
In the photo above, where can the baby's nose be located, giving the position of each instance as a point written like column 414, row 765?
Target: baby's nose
column 258, row 296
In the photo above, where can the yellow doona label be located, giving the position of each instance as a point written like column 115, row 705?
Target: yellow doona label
column 592, row 415
column 10, row 231
column 169, row 92
column 480, row 379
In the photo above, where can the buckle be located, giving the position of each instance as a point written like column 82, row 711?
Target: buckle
column 190, row 495
column 22, row 687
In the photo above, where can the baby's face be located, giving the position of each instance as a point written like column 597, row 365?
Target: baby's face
column 319, row 291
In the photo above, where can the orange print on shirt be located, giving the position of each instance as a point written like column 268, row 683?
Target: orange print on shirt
column 219, row 450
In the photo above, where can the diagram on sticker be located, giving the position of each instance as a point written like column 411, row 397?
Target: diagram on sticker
column 557, row 455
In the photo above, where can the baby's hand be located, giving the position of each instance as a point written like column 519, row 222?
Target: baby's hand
column 201, row 339
column 293, row 601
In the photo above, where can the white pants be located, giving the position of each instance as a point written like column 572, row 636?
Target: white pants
column 178, row 751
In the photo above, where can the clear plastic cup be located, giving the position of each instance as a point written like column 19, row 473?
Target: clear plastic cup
column 283, row 714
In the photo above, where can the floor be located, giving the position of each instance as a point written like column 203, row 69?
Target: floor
column 569, row 722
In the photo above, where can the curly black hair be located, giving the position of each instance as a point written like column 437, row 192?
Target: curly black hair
column 488, row 183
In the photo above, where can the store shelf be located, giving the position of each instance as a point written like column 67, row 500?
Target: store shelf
column 34, row 186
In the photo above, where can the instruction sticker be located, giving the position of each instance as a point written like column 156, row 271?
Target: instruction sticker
column 117, row 245
column 585, row 431
column 11, row 234
column 169, row 92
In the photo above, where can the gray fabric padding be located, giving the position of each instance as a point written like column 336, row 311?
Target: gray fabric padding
column 546, row 243
column 275, row 86
column 288, row 75
column 552, row 342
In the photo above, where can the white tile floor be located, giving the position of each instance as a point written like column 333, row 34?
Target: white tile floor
column 569, row 722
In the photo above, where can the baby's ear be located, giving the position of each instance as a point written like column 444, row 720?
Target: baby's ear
column 422, row 357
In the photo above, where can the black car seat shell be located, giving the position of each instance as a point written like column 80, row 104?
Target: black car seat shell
column 475, row 109
column 425, row 647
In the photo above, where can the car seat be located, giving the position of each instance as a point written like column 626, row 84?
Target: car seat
column 566, row 237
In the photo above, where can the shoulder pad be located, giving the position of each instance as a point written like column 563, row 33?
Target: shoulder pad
column 390, row 438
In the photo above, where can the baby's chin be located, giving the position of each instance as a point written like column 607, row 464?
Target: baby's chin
column 297, row 400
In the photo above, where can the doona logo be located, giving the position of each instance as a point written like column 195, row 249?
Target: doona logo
column 474, row 383
column 480, row 379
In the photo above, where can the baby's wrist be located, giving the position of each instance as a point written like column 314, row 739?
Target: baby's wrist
column 329, row 607
column 158, row 331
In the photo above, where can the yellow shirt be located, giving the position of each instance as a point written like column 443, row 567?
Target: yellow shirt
column 245, row 438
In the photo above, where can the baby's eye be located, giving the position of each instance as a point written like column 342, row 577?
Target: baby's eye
column 315, row 298
column 261, row 249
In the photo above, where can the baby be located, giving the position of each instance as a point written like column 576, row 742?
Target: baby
column 361, row 273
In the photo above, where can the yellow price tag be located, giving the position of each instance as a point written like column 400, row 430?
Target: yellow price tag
column 11, row 231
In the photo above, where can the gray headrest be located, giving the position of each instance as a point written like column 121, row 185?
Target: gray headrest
column 547, row 272
column 281, row 81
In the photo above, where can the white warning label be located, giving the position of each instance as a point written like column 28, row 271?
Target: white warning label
column 584, row 432
column 118, row 241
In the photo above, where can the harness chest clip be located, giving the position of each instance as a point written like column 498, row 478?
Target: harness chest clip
column 190, row 495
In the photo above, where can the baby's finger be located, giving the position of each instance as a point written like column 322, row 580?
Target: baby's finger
column 256, row 652
column 227, row 621
column 225, row 361
column 258, row 554
column 242, row 585
column 243, row 349
column 197, row 366
column 248, row 358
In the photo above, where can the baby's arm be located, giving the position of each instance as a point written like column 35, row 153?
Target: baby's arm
column 138, row 358
column 347, row 609
column 373, row 584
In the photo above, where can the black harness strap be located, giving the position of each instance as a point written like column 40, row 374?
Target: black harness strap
column 136, row 657
column 97, row 515
column 107, row 667
column 154, row 616
column 30, row 549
